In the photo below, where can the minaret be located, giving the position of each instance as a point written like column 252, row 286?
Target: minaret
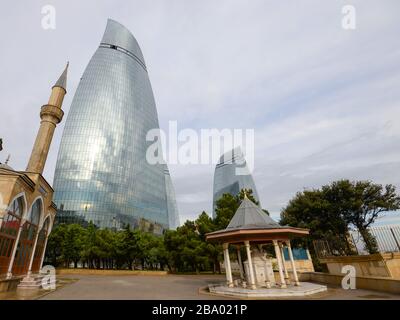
column 51, row 114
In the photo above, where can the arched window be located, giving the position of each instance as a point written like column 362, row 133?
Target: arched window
column 9, row 231
column 36, row 210
column 27, row 240
column 40, row 246
column 17, row 207
column 13, row 216
column 46, row 224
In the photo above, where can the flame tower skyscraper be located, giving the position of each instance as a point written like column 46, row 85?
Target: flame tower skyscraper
column 102, row 174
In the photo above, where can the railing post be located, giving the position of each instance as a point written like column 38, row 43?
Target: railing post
column 395, row 239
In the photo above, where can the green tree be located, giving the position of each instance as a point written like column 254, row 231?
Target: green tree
column 248, row 193
column 190, row 251
column 311, row 210
column 72, row 244
column 172, row 242
column 181, row 250
column 205, row 224
column 186, row 248
column 225, row 209
column 91, row 250
column 119, row 249
column 227, row 205
column 331, row 212
column 360, row 203
column 163, row 255
column 106, row 249
column 145, row 242
column 54, row 245
column 129, row 247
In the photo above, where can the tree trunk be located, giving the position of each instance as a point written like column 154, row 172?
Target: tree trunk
column 370, row 242
column 349, row 250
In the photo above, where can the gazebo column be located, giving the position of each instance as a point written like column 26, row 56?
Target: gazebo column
column 240, row 262
column 308, row 254
column 296, row 279
column 279, row 260
column 251, row 272
column 228, row 270
column 287, row 278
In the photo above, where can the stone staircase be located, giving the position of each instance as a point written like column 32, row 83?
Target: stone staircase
column 34, row 282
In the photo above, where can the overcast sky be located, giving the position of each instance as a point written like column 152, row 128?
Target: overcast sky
column 323, row 101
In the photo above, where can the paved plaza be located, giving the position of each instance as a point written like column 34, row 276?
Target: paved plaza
column 169, row 287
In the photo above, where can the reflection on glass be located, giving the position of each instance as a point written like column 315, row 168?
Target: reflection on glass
column 102, row 174
column 226, row 179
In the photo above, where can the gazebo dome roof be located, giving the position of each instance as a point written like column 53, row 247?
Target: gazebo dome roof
column 253, row 224
column 250, row 216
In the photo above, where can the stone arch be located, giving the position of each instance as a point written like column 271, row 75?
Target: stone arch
column 24, row 203
column 46, row 217
column 41, row 244
column 37, row 204
column 26, row 243
column 22, row 195
column 9, row 229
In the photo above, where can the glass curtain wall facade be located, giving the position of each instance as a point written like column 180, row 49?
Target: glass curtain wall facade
column 226, row 179
column 173, row 216
column 101, row 173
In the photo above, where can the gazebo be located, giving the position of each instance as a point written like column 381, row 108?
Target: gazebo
column 252, row 227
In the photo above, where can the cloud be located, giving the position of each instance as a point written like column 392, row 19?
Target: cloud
column 323, row 101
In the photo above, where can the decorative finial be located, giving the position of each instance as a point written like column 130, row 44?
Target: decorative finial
column 8, row 159
column 62, row 81
column 245, row 194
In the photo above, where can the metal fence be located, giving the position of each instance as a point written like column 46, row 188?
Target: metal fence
column 387, row 238
column 322, row 249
